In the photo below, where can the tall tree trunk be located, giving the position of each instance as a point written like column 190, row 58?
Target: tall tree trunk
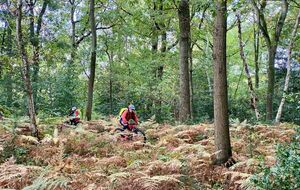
column 163, row 41
column 70, row 64
column 111, row 61
column 288, row 73
column 2, row 44
column 73, row 32
column 272, row 43
column 35, row 42
column 154, row 49
column 184, row 26
column 9, row 86
column 191, row 77
column 154, row 38
column 160, row 68
column 271, row 81
column 210, row 89
column 221, row 121
column 89, row 106
column 256, row 37
column 26, row 70
column 246, row 68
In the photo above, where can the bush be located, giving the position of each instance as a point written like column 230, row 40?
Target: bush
column 285, row 174
column 20, row 153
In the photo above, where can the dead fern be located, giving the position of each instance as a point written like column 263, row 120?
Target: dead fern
column 16, row 176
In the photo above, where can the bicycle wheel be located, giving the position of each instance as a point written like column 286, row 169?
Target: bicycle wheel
column 137, row 131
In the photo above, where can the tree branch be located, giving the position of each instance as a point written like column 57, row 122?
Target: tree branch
column 172, row 45
column 261, row 22
column 39, row 21
column 89, row 33
column 280, row 22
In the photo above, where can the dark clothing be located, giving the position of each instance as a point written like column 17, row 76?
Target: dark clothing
column 74, row 117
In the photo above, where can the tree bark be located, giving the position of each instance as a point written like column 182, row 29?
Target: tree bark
column 288, row 73
column 246, row 68
column 2, row 45
column 160, row 68
column 73, row 32
column 89, row 106
column 35, row 42
column 111, row 60
column 221, row 121
column 9, row 86
column 191, row 77
column 26, row 70
column 272, row 43
column 184, row 26
column 256, row 36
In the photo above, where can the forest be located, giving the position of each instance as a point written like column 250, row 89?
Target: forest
column 150, row 94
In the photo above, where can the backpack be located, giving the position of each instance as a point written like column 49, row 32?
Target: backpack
column 121, row 112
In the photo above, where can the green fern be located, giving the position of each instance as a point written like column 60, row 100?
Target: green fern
column 50, row 182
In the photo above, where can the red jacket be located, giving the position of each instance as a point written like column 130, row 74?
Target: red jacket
column 127, row 115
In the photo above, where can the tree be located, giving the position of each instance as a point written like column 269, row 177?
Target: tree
column 288, row 73
column 256, row 37
column 221, row 121
column 184, row 42
column 89, row 106
column 272, row 43
column 246, row 68
column 26, row 69
column 35, row 40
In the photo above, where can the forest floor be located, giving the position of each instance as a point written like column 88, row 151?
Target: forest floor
column 92, row 156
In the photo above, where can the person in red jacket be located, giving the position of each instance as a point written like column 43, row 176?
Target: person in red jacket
column 74, row 116
column 127, row 115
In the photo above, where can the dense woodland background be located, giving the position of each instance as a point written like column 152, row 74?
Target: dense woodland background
column 137, row 58
column 209, row 63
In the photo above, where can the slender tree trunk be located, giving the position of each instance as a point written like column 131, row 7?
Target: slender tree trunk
column 9, row 86
column 163, row 50
column 2, row 44
column 35, row 42
column 210, row 89
column 70, row 64
column 160, row 68
column 272, row 43
column 73, row 32
column 160, row 71
column 163, row 42
column 191, row 78
column 288, row 73
column 256, row 37
column 271, row 81
column 111, row 61
column 184, row 26
column 154, row 37
column 154, row 49
column 89, row 106
column 26, row 70
column 221, row 121
column 246, row 68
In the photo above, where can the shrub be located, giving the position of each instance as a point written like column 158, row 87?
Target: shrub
column 285, row 174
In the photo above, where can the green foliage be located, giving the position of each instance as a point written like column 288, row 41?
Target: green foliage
column 285, row 174
column 127, row 64
column 291, row 111
column 20, row 153
column 50, row 182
